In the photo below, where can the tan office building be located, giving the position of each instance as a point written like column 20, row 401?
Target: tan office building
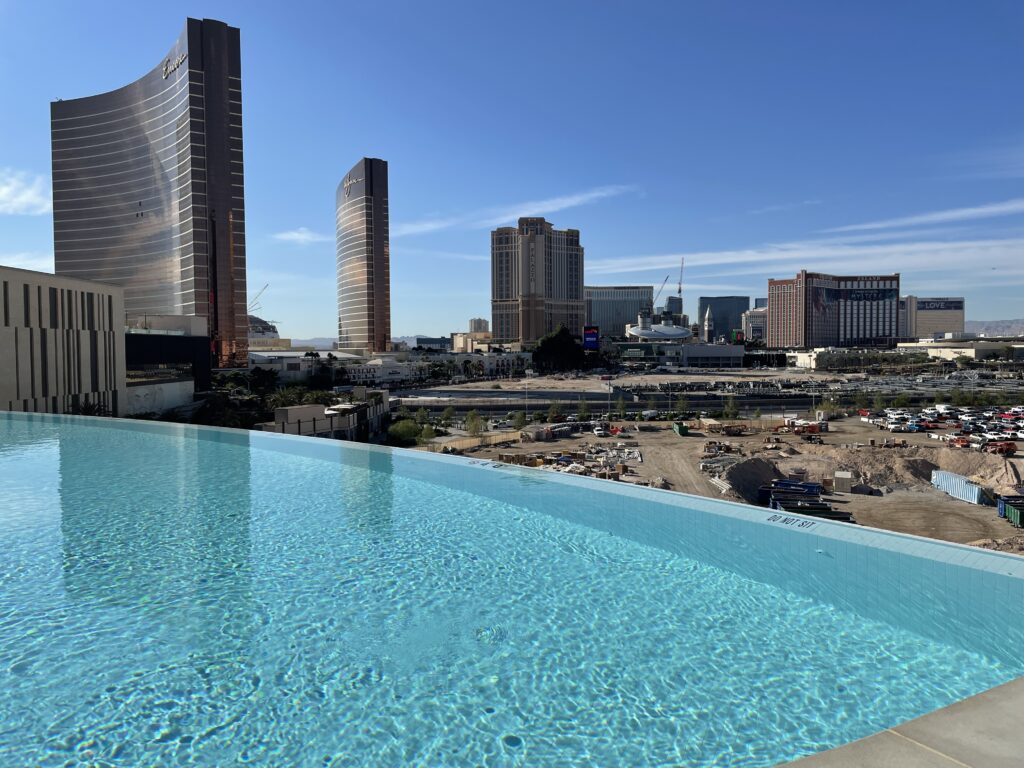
column 536, row 281
column 61, row 342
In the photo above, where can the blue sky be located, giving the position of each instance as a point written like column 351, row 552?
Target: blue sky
column 755, row 138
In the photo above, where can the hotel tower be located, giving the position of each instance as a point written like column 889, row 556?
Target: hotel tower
column 148, row 188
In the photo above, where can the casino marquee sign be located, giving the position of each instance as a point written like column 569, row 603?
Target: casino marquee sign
column 936, row 305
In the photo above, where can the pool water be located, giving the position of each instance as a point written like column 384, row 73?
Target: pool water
column 179, row 596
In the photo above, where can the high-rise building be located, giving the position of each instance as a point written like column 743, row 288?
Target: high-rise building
column 479, row 325
column 755, row 323
column 761, row 303
column 925, row 318
column 364, row 262
column 612, row 307
column 148, row 188
column 726, row 311
column 818, row 310
column 536, row 281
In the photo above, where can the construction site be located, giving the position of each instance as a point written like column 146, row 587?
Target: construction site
column 844, row 469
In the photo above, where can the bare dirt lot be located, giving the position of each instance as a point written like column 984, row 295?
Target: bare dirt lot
column 905, row 500
column 593, row 383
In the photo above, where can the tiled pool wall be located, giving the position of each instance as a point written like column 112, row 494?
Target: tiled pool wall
column 954, row 594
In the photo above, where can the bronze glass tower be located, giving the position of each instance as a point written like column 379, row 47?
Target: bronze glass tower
column 148, row 188
column 363, row 258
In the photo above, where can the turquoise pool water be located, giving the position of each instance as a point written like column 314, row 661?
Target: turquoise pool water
column 180, row 596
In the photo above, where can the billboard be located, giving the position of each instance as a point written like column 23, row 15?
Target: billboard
column 591, row 338
column 940, row 304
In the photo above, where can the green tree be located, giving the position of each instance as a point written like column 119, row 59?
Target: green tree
column 729, row 410
column 558, row 351
column 404, row 412
column 422, row 416
column 620, row 407
column 519, row 420
column 554, row 411
column 682, row 403
column 583, row 409
column 403, row 432
column 262, row 381
column 757, row 413
column 538, row 416
column 447, row 415
column 652, row 403
column 879, row 403
column 474, row 424
column 902, row 400
column 427, row 433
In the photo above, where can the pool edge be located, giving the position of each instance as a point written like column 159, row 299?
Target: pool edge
column 981, row 731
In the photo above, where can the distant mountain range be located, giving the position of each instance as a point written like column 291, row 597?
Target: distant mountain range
column 996, row 327
column 319, row 342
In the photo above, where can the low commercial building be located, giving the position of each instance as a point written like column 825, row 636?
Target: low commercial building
column 1008, row 348
column 438, row 343
column 382, row 372
column 682, row 355
column 296, row 364
column 363, row 420
column 474, row 341
column 61, row 344
column 167, row 360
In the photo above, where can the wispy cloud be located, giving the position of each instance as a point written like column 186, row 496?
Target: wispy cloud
column 302, row 236
column 39, row 262
column 441, row 254
column 493, row 217
column 780, row 259
column 23, row 193
column 998, row 161
column 988, row 211
column 783, row 207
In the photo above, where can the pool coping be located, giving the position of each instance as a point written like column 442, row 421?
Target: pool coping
column 981, row 731
column 905, row 543
column 976, row 732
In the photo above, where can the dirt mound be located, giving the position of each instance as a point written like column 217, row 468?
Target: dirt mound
column 1014, row 544
column 747, row 476
column 905, row 467
column 984, row 468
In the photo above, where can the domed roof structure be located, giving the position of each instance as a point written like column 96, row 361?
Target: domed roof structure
column 648, row 331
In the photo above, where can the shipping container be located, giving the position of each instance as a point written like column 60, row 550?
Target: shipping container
column 959, row 487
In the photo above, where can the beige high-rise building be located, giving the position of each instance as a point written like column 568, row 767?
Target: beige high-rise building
column 479, row 325
column 536, row 281
column 924, row 318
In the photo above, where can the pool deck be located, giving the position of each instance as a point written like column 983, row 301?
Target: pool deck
column 983, row 731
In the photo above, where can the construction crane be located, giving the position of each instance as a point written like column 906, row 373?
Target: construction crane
column 679, row 290
column 254, row 302
column 658, row 294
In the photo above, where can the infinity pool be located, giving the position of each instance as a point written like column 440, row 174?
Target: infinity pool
column 174, row 595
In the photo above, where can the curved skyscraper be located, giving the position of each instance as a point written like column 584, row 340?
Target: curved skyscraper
column 363, row 259
column 148, row 188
